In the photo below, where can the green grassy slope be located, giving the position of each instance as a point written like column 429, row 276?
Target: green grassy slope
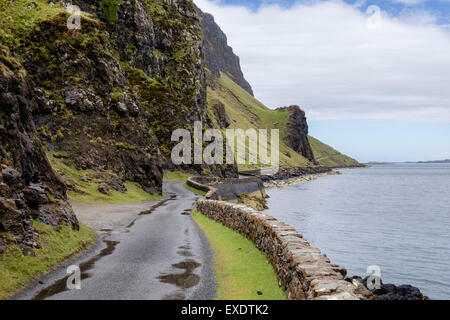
column 247, row 112
column 85, row 185
column 328, row 156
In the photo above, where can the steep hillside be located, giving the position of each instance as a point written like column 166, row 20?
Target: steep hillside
column 327, row 156
column 231, row 104
column 247, row 112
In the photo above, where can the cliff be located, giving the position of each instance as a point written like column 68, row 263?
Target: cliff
column 100, row 102
column 219, row 56
column 29, row 188
column 231, row 104
column 296, row 132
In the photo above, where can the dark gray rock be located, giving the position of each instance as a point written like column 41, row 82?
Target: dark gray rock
column 392, row 292
column 103, row 188
column 296, row 136
column 219, row 57
column 221, row 116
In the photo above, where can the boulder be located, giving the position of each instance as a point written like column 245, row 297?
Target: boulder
column 220, row 115
column 103, row 188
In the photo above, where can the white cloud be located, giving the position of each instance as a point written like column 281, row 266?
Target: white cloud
column 323, row 57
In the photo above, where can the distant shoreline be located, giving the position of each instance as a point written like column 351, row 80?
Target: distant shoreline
column 411, row 162
column 297, row 180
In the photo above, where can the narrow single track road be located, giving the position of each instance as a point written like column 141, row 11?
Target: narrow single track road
column 161, row 255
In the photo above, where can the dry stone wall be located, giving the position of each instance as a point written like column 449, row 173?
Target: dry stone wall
column 227, row 188
column 302, row 270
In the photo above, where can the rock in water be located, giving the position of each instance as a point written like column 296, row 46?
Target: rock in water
column 392, row 292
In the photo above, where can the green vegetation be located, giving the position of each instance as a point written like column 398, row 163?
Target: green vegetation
column 56, row 245
column 246, row 112
column 327, row 156
column 110, row 8
column 241, row 269
column 17, row 21
column 85, row 184
column 199, row 192
column 176, row 176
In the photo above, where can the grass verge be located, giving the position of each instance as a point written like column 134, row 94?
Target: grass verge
column 241, row 269
column 17, row 270
column 200, row 192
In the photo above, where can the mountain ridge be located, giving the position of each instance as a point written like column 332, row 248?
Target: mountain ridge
column 219, row 56
column 240, row 109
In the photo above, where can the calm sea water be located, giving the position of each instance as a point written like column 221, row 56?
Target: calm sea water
column 394, row 216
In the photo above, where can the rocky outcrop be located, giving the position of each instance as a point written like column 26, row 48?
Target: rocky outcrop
column 112, row 94
column 296, row 135
column 390, row 291
column 219, row 57
column 220, row 115
column 29, row 188
column 302, row 270
column 87, row 106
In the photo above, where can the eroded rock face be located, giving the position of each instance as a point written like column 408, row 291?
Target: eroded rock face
column 219, row 57
column 119, row 113
column 107, row 96
column 26, row 178
column 296, row 136
column 221, row 116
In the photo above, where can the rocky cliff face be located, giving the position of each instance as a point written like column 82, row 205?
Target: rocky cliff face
column 106, row 97
column 29, row 188
column 296, row 135
column 219, row 57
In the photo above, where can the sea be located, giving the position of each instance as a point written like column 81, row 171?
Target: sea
column 395, row 217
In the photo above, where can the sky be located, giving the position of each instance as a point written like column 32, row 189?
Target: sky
column 372, row 76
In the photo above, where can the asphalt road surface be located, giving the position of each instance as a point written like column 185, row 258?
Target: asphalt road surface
column 162, row 255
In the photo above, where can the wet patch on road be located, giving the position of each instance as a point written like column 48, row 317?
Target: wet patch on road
column 158, row 205
column 175, row 296
column 184, row 280
column 61, row 284
column 187, row 212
